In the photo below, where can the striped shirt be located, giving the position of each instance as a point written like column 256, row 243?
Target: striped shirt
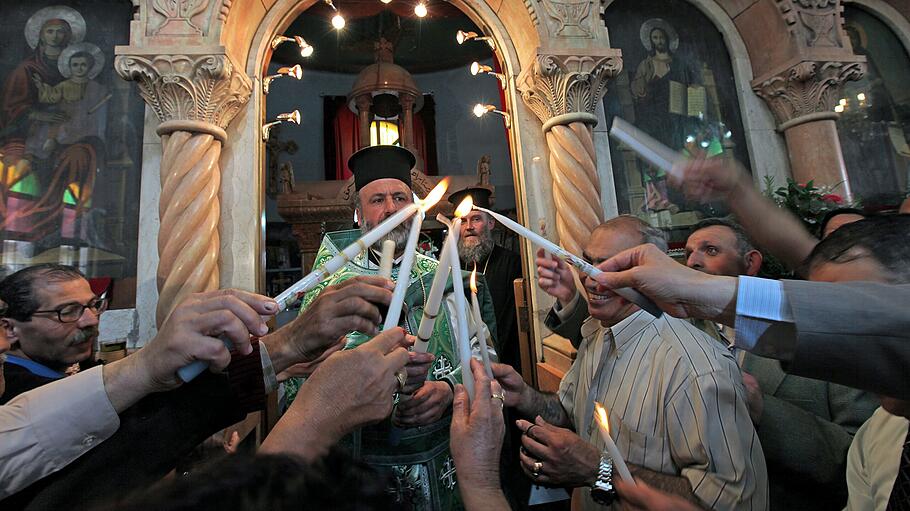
column 676, row 404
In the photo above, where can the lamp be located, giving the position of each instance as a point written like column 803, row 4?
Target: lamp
column 305, row 49
column 461, row 36
column 285, row 117
column 337, row 20
column 294, row 71
column 478, row 68
column 420, row 9
column 481, row 110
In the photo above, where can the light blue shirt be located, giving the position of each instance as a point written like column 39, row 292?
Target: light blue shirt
column 764, row 319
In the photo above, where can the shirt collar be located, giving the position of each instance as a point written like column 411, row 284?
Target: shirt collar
column 629, row 328
column 33, row 367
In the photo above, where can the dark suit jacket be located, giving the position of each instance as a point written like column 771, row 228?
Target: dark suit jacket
column 154, row 434
column 853, row 333
column 570, row 328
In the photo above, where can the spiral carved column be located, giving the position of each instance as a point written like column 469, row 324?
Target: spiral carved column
column 563, row 91
column 195, row 97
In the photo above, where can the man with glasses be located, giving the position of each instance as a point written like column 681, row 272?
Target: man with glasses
column 51, row 323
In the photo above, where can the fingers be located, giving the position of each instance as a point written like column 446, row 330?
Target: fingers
column 357, row 306
column 387, row 341
column 239, row 302
column 502, row 370
column 420, row 358
column 222, row 322
column 375, row 290
column 368, row 280
column 461, row 409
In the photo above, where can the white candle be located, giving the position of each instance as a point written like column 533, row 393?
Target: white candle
column 386, row 259
column 461, row 305
column 478, row 325
column 572, row 259
column 647, row 147
column 618, row 463
column 404, row 274
column 434, row 298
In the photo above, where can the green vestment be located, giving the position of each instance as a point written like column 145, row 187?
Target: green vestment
column 417, row 459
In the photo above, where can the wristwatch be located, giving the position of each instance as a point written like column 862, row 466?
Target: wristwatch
column 602, row 490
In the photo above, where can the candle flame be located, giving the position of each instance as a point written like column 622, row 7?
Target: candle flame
column 601, row 414
column 435, row 194
column 465, row 207
column 474, row 279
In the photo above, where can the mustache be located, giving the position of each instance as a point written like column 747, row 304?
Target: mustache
column 85, row 334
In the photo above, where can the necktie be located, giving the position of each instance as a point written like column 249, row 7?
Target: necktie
column 900, row 494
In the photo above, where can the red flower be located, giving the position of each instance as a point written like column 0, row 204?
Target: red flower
column 833, row 197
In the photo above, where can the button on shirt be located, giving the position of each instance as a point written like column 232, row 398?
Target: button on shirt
column 676, row 404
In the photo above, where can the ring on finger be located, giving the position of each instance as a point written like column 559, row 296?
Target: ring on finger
column 536, row 470
column 528, row 431
column 402, row 379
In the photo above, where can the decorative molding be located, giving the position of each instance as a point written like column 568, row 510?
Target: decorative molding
column 557, row 85
column 202, row 88
column 225, row 10
column 813, row 22
column 532, row 11
column 572, row 18
column 806, row 88
column 176, row 17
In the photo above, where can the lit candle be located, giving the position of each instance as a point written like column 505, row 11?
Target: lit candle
column 289, row 295
column 461, row 305
column 478, row 325
column 387, row 258
column 404, row 274
column 572, row 259
column 434, row 298
column 618, row 463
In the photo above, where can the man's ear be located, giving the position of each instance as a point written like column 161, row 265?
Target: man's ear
column 7, row 326
column 754, row 260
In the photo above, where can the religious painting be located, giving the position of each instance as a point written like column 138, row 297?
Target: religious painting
column 874, row 114
column 676, row 85
column 70, row 140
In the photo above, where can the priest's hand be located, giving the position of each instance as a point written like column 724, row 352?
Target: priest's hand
column 513, row 385
column 555, row 277
column 350, row 306
column 426, row 406
column 556, row 456
column 350, row 389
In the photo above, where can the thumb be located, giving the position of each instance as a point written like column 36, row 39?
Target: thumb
column 460, row 411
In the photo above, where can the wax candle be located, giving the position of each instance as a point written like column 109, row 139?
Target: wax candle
column 386, row 259
column 584, row 266
column 478, row 324
column 404, row 274
column 434, row 298
column 461, row 306
column 618, row 463
column 647, row 147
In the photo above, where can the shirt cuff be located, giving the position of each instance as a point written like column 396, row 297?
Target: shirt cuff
column 563, row 313
column 760, row 305
column 246, row 379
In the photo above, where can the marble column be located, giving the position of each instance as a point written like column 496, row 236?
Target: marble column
column 563, row 91
column 195, row 97
column 802, row 98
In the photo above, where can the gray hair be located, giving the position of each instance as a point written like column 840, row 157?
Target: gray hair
column 649, row 234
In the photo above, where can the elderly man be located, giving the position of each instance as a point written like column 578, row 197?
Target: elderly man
column 48, row 309
column 412, row 448
column 675, row 401
column 499, row 267
column 805, row 425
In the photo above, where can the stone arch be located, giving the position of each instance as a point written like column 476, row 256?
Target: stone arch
column 889, row 16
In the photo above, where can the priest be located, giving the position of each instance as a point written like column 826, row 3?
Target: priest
column 499, row 267
column 411, row 446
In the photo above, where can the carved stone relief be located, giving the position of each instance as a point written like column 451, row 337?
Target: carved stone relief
column 176, row 17
column 813, row 22
column 204, row 88
column 560, row 84
column 571, row 18
column 806, row 88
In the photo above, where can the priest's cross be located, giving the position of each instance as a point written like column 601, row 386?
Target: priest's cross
column 442, row 368
column 448, row 475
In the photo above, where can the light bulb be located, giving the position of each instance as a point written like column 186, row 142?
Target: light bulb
column 479, row 110
column 386, row 1
column 475, row 68
column 420, row 10
column 861, row 96
column 306, row 51
column 338, row 21
column 838, row 108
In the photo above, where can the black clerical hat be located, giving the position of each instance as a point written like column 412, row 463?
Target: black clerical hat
column 381, row 162
column 480, row 196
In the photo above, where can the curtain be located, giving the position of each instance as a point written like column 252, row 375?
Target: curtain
column 342, row 137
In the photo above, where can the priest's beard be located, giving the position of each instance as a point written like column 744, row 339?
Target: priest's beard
column 399, row 235
column 476, row 248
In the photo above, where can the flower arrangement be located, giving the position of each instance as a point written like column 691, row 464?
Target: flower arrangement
column 426, row 246
column 805, row 200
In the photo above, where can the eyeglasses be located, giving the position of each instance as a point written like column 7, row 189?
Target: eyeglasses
column 72, row 312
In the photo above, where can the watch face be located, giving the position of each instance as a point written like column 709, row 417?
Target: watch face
column 603, row 497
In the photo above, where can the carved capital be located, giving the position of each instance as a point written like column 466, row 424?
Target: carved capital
column 556, row 85
column 806, row 88
column 200, row 88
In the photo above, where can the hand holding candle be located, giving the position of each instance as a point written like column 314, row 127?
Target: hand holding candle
column 461, row 306
column 478, row 324
column 618, row 463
